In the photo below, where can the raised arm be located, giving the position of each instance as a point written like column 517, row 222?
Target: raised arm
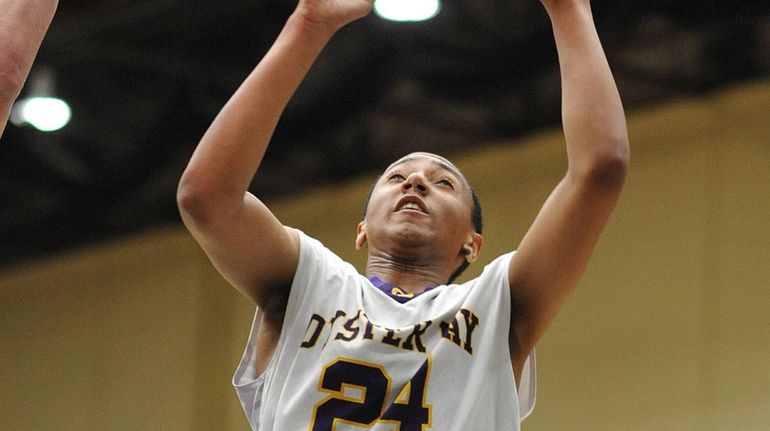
column 243, row 239
column 554, row 252
column 23, row 23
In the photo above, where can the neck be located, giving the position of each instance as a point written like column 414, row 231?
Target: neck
column 409, row 277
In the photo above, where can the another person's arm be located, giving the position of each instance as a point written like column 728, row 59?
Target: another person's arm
column 23, row 23
column 243, row 239
column 554, row 253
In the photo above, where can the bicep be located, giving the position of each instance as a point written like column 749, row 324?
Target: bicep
column 554, row 253
column 252, row 250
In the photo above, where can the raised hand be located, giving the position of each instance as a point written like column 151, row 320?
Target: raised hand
column 333, row 13
column 554, row 4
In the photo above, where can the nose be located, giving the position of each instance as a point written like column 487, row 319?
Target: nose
column 416, row 182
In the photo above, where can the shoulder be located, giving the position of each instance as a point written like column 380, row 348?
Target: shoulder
column 312, row 250
column 491, row 288
column 496, row 270
column 318, row 264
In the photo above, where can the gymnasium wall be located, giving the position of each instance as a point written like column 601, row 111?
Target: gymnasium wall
column 668, row 330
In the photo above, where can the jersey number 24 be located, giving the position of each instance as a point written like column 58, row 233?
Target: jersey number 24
column 358, row 392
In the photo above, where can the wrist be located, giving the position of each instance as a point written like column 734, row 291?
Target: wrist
column 560, row 8
column 310, row 28
column 570, row 18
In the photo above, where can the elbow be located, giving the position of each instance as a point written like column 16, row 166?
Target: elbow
column 611, row 170
column 607, row 168
column 189, row 202
column 205, row 201
column 195, row 204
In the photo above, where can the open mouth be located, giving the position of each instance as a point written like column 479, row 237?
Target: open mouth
column 411, row 203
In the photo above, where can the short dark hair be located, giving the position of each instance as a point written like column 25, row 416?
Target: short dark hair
column 476, row 219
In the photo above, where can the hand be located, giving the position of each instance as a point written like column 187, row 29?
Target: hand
column 551, row 5
column 333, row 13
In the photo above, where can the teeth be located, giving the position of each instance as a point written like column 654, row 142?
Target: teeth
column 411, row 206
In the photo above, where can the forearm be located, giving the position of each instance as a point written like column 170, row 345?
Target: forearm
column 232, row 149
column 592, row 112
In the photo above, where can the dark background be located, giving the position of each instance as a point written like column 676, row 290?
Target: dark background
column 145, row 78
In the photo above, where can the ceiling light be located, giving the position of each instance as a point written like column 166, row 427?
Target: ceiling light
column 40, row 108
column 407, row 10
column 46, row 114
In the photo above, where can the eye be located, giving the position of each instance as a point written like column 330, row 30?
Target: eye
column 446, row 182
column 396, row 176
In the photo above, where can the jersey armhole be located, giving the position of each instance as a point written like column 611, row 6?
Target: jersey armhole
column 527, row 389
column 246, row 372
column 248, row 384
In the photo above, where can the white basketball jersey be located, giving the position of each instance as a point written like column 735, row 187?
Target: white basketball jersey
column 349, row 357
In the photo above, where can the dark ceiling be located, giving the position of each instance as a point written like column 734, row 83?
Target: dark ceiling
column 146, row 77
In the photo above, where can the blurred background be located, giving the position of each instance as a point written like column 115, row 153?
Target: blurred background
column 112, row 318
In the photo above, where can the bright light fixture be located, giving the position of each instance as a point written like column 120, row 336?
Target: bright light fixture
column 407, row 10
column 46, row 114
column 40, row 108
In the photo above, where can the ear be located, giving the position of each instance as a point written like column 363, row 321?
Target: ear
column 472, row 247
column 360, row 235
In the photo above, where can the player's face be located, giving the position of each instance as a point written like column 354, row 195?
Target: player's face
column 420, row 201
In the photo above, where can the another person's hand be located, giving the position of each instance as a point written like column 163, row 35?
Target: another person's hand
column 23, row 23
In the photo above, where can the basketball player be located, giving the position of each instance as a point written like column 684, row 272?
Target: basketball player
column 400, row 347
column 23, row 24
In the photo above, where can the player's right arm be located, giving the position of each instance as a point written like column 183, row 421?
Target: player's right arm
column 244, row 240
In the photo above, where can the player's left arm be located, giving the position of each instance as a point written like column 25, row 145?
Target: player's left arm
column 554, row 252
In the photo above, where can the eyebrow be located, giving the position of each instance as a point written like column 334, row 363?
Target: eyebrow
column 436, row 161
